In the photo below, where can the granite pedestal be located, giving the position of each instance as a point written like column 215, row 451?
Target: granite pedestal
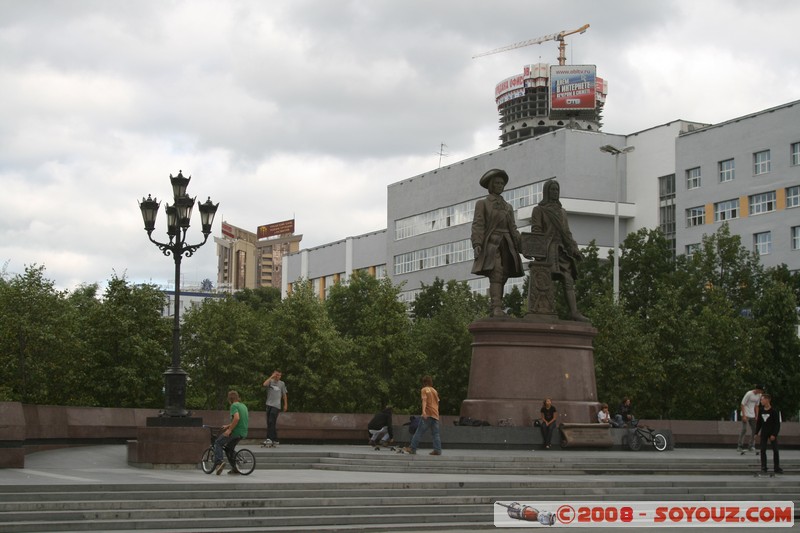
column 517, row 363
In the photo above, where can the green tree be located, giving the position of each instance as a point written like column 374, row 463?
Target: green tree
column 514, row 302
column 223, row 349
column 626, row 363
column 593, row 285
column 778, row 364
column 259, row 299
column 446, row 342
column 128, row 345
column 38, row 346
column 791, row 279
column 645, row 258
column 320, row 373
column 721, row 263
column 366, row 311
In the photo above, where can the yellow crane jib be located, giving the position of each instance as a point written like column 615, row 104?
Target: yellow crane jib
column 562, row 58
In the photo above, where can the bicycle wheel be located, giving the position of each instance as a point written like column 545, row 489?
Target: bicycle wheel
column 245, row 461
column 207, row 463
column 634, row 442
column 660, row 442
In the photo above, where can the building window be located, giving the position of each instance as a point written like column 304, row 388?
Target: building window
column 795, row 154
column 666, row 187
column 761, row 162
column 762, row 242
column 726, row 210
column 691, row 249
column 667, row 220
column 693, row 178
column 437, row 256
column 796, row 238
column 462, row 213
column 793, row 196
column 762, row 203
column 695, row 216
column 727, row 170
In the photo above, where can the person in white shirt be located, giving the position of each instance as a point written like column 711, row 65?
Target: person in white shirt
column 749, row 410
column 604, row 417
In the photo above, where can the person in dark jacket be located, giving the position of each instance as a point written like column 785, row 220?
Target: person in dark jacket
column 625, row 416
column 768, row 425
column 380, row 428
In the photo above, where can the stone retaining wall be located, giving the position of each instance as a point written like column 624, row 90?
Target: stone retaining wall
column 28, row 428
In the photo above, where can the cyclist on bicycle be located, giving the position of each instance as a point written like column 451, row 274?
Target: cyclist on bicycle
column 231, row 434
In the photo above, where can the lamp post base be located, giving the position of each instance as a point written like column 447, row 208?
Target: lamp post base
column 168, row 441
column 175, row 392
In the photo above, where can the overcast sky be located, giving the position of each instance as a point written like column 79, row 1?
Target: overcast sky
column 308, row 109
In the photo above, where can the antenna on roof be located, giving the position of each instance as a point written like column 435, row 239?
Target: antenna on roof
column 441, row 153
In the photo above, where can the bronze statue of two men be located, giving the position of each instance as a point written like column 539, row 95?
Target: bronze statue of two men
column 497, row 243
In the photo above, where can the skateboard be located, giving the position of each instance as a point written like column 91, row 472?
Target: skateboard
column 269, row 445
column 764, row 474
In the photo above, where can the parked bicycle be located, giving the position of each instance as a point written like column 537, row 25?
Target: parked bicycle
column 644, row 434
column 245, row 459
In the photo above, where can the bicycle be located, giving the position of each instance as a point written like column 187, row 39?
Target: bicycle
column 645, row 434
column 245, row 459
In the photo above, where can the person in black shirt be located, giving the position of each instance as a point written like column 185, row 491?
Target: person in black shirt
column 380, row 427
column 547, row 422
column 624, row 416
column 768, row 426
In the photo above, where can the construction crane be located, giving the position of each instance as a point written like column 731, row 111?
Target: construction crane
column 562, row 46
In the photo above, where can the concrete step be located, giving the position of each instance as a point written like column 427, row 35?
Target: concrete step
column 538, row 463
column 225, row 506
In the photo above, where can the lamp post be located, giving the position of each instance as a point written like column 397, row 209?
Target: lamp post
column 616, row 152
column 178, row 220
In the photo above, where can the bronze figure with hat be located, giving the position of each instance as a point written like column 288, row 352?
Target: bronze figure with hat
column 495, row 239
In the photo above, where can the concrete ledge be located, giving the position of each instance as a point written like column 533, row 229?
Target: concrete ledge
column 586, row 435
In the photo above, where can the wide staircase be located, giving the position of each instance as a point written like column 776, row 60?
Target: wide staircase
column 420, row 505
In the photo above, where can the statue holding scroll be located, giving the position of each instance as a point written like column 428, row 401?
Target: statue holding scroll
column 552, row 237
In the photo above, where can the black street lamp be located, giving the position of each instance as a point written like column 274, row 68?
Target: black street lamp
column 178, row 220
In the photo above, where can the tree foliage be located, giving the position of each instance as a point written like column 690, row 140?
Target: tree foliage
column 686, row 339
column 443, row 338
column 367, row 313
column 222, row 349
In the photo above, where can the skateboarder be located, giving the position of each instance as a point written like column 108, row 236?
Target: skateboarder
column 768, row 426
column 749, row 410
column 380, row 428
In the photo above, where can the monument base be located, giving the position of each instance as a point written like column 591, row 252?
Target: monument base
column 517, row 363
column 169, row 441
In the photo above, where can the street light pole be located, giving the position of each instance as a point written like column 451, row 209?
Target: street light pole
column 616, row 152
column 178, row 221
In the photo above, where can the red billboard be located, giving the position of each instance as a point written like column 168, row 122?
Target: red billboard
column 227, row 230
column 573, row 87
column 277, row 228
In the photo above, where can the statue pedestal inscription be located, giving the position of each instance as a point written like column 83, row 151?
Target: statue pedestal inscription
column 516, row 364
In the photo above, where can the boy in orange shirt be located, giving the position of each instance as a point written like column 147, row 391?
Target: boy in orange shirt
column 430, row 418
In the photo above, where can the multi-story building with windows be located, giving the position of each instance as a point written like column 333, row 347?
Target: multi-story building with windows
column 750, row 168
column 245, row 261
column 681, row 177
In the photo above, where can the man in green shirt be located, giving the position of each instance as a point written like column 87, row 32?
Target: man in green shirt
column 231, row 434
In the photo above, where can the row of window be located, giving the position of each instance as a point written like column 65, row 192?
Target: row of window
column 729, row 209
column 330, row 280
column 726, row 169
column 436, row 256
column 762, row 242
column 476, row 285
column 463, row 213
